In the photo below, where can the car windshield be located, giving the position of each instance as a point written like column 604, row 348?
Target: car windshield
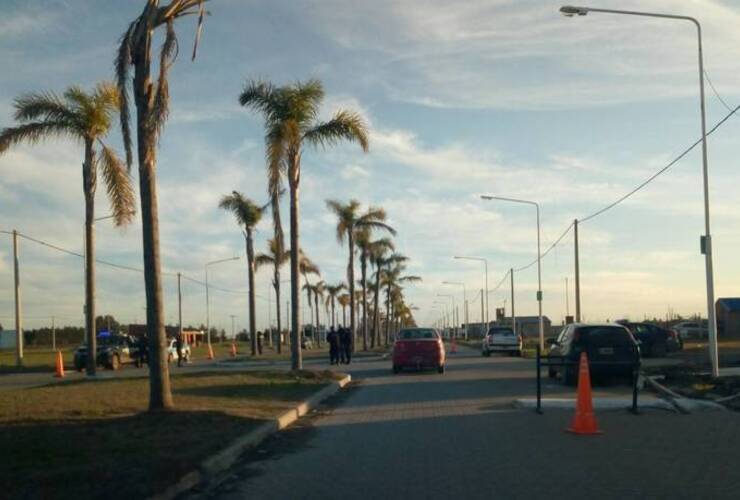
column 421, row 333
column 110, row 340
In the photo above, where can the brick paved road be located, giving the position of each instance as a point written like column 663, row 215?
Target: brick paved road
column 455, row 435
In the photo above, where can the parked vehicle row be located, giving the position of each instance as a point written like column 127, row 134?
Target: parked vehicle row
column 114, row 351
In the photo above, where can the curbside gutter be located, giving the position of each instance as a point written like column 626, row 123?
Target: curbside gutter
column 228, row 456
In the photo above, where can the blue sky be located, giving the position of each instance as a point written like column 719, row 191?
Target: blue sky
column 501, row 96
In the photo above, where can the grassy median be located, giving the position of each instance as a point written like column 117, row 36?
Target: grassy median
column 92, row 439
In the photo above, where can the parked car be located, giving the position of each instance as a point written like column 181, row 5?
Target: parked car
column 502, row 339
column 172, row 351
column 692, row 329
column 112, row 352
column 612, row 343
column 418, row 348
column 654, row 341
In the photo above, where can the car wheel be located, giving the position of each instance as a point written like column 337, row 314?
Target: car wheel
column 115, row 363
column 441, row 369
column 658, row 350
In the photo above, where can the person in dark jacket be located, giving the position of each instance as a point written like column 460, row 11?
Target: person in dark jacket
column 333, row 340
column 178, row 347
column 345, row 338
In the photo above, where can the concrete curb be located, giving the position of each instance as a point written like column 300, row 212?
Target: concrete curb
column 606, row 404
column 228, row 456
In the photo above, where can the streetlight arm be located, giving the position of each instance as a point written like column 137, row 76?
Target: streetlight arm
column 570, row 11
column 503, row 198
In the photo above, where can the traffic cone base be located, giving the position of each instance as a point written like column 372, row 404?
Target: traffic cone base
column 210, row 351
column 584, row 421
column 59, row 372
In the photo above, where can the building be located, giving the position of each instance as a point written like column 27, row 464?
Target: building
column 192, row 337
column 527, row 326
column 7, row 339
column 728, row 317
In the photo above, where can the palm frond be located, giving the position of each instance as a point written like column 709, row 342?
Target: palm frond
column 167, row 56
column 371, row 224
column 247, row 213
column 118, row 186
column 263, row 259
column 261, row 96
column 345, row 125
column 42, row 106
column 306, row 265
column 122, row 66
column 35, row 131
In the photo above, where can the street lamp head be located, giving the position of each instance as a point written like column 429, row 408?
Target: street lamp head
column 570, row 11
column 487, row 197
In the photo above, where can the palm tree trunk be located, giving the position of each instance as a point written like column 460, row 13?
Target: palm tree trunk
column 316, row 302
column 89, row 178
column 333, row 314
column 363, row 264
column 351, row 281
column 344, row 316
column 376, row 323
column 388, row 315
column 160, row 395
column 250, row 265
column 276, row 284
column 295, row 278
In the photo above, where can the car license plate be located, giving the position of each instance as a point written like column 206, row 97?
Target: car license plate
column 607, row 351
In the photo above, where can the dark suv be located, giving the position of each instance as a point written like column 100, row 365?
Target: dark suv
column 611, row 343
column 654, row 341
column 112, row 352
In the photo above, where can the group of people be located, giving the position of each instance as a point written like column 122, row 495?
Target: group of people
column 340, row 345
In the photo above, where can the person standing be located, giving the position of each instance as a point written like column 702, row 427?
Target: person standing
column 333, row 340
column 178, row 347
column 346, row 345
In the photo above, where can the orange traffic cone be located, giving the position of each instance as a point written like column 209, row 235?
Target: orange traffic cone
column 210, row 351
column 233, row 350
column 60, row 365
column 453, row 347
column 584, row 421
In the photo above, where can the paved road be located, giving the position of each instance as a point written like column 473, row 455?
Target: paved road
column 456, row 435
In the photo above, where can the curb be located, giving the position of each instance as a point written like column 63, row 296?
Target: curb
column 599, row 403
column 225, row 458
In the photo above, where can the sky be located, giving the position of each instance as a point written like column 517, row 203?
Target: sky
column 502, row 97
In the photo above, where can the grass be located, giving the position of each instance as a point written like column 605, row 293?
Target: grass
column 35, row 359
column 91, row 439
column 223, row 351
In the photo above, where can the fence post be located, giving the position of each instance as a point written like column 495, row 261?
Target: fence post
column 539, row 381
column 635, row 377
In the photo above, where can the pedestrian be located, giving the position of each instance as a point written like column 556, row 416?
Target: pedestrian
column 345, row 338
column 178, row 347
column 332, row 338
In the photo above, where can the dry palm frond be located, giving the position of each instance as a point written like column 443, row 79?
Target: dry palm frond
column 118, row 185
column 34, row 132
column 345, row 125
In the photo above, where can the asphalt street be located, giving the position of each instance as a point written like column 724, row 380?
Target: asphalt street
column 425, row 435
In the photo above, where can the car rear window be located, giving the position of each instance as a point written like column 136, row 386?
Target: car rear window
column 417, row 334
column 601, row 333
column 500, row 331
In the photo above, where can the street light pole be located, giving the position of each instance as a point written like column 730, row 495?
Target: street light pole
column 454, row 322
column 485, row 263
column 706, row 240
column 465, row 301
column 208, row 302
column 539, row 260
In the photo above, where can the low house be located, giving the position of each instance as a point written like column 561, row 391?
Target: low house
column 728, row 317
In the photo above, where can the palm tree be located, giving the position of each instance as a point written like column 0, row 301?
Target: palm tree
column 291, row 121
column 371, row 220
column 392, row 279
column 378, row 251
column 151, row 99
column 344, row 300
column 248, row 215
column 85, row 117
column 306, row 266
column 276, row 257
column 332, row 291
column 317, row 290
column 350, row 225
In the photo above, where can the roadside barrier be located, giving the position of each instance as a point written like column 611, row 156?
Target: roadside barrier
column 564, row 362
column 584, row 421
column 60, row 366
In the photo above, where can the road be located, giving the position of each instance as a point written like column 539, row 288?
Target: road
column 456, row 435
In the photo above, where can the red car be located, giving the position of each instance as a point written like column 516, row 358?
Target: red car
column 418, row 348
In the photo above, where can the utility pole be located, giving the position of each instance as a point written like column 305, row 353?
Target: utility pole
column 578, row 273
column 482, row 316
column 513, row 312
column 567, row 299
column 53, row 335
column 233, row 334
column 179, row 306
column 18, row 320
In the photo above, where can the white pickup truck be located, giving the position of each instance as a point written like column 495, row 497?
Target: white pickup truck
column 502, row 339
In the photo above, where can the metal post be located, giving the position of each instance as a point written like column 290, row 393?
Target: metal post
column 233, row 335
column 539, row 380
column 488, row 307
column 567, row 299
column 208, row 313
column 53, row 335
column 466, row 319
column 513, row 311
column 578, row 272
column 482, row 319
column 179, row 305
column 539, row 282
column 635, row 376
column 18, row 320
